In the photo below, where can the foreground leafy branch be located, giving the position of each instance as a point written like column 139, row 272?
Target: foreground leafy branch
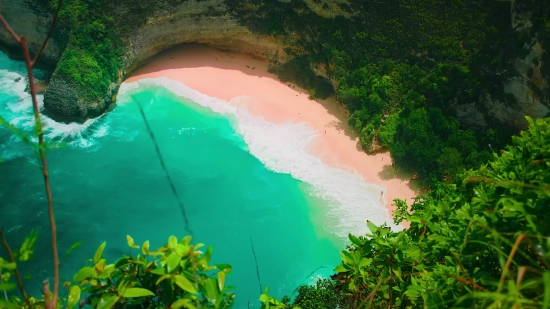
column 481, row 243
column 30, row 63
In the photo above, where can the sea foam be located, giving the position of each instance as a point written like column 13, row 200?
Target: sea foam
column 17, row 110
column 349, row 200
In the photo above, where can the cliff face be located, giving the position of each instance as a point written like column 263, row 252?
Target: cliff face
column 31, row 20
column 527, row 88
column 203, row 22
column 161, row 27
column 233, row 25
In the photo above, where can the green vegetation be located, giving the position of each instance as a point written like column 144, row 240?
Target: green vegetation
column 479, row 239
column 400, row 67
column 94, row 54
column 403, row 66
column 175, row 275
column 483, row 242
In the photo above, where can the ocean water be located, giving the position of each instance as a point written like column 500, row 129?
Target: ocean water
column 241, row 180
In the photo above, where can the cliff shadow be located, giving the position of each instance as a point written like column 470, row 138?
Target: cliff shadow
column 196, row 55
column 389, row 172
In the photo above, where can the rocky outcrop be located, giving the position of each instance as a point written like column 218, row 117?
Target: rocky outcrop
column 154, row 26
column 527, row 89
column 32, row 20
column 201, row 22
column 163, row 26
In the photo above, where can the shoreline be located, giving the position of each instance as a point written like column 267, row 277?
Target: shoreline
column 226, row 76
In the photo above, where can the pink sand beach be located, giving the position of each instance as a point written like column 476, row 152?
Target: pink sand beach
column 228, row 75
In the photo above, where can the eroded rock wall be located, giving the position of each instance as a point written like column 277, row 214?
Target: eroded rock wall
column 197, row 21
column 150, row 28
column 528, row 87
column 31, row 19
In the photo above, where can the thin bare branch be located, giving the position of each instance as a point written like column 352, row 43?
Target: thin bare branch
column 10, row 30
column 17, row 276
column 257, row 268
column 42, row 152
column 38, row 125
column 54, row 21
column 509, row 261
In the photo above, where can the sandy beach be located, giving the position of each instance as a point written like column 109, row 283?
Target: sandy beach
column 228, row 75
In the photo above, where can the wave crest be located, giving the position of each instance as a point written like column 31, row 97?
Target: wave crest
column 349, row 200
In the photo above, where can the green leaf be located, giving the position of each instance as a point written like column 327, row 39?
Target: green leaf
column 264, row 298
column 8, row 265
column 365, row 262
column 7, row 305
column 546, row 280
column 224, row 267
column 172, row 242
column 27, row 249
column 107, row 301
column 158, row 271
column 97, row 255
column 355, row 240
column 106, row 273
column 340, row 269
column 187, row 303
column 122, row 284
column 162, row 278
column 186, row 240
column 372, row 227
column 137, row 292
column 122, row 261
column 145, row 248
column 211, row 289
column 346, row 257
column 208, row 255
column 185, row 284
column 83, row 273
column 172, row 262
column 74, row 246
column 130, row 241
column 221, row 280
column 182, row 249
column 7, row 286
column 74, row 296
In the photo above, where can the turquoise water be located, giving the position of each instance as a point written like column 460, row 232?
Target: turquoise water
column 107, row 182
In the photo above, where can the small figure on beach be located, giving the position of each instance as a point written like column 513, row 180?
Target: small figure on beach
column 247, row 66
column 325, row 131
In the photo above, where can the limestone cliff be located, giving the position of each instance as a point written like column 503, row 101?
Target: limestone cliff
column 251, row 26
column 196, row 21
column 32, row 20
column 161, row 27
column 527, row 88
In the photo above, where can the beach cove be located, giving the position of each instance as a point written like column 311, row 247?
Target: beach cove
column 248, row 155
column 245, row 82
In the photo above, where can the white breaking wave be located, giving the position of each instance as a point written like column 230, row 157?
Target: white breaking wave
column 18, row 111
column 281, row 148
